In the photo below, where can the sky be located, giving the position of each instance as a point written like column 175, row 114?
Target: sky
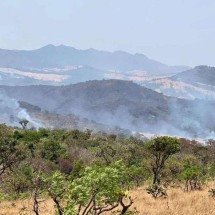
column 175, row 32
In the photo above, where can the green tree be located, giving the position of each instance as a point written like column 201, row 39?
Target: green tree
column 160, row 149
column 98, row 190
column 136, row 175
column 51, row 150
column 24, row 123
column 193, row 176
column 8, row 149
column 56, row 186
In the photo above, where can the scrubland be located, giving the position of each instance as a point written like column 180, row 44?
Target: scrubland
column 178, row 202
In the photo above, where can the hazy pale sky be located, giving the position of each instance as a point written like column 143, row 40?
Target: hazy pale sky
column 171, row 31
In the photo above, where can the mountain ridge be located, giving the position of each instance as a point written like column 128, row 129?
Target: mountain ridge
column 196, row 83
column 62, row 55
column 123, row 104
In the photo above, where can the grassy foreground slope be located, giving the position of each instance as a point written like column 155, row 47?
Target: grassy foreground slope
column 71, row 172
column 177, row 203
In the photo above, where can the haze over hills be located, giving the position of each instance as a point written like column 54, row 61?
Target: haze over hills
column 58, row 65
column 191, row 84
column 123, row 104
column 166, row 103
column 199, row 75
column 62, row 65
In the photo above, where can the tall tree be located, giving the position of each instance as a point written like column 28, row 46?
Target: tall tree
column 160, row 149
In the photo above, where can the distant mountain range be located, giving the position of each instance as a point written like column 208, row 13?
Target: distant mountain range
column 128, row 92
column 123, row 104
column 63, row 65
column 57, row 65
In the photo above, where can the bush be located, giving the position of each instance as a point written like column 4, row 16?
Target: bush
column 157, row 191
column 212, row 192
column 52, row 150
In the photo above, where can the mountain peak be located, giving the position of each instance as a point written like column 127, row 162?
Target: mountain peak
column 57, row 56
column 49, row 46
column 202, row 67
column 52, row 47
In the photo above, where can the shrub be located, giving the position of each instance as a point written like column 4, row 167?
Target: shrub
column 212, row 192
column 157, row 191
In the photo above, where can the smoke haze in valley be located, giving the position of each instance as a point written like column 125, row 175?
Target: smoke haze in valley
column 123, row 104
column 11, row 112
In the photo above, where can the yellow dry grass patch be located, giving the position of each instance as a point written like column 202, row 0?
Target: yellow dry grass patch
column 24, row 207
column 177, row 203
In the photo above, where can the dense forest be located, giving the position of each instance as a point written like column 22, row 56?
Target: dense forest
column 87, row 173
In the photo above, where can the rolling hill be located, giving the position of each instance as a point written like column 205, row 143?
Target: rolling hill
column 197, row 83
column 123, row 104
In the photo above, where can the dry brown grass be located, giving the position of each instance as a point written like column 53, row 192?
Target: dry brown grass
column 24, row 207
column 177, row 203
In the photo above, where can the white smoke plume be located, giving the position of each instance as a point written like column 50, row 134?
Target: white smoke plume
column 11, row 113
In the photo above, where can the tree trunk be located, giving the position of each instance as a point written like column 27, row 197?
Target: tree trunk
column 60, row 210
column 156, row 176
column 125, row 207
column 36, row 203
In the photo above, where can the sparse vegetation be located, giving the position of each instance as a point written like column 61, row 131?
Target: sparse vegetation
column 77, row 172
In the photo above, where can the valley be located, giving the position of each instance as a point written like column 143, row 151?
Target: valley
column 113, row 89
